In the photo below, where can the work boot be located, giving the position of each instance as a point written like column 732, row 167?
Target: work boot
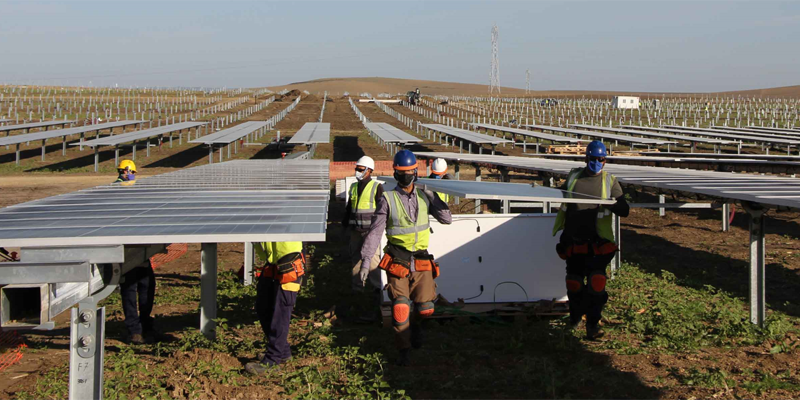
column 259, row 368
column 404, row 358
column 136, row 338
column 416, row 336
column 574, row 323
column 594, row 332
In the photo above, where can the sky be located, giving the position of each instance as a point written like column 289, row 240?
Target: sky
column 701, row 46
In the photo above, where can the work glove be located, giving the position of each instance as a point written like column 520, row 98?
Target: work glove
column 363, row 274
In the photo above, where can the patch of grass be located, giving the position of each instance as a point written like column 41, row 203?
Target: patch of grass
column 769, row 382
column 708, row 378
column 662, row 314
column 53, row 384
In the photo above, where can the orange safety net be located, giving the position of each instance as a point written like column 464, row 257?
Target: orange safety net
column 11, row 346
column 174, row 251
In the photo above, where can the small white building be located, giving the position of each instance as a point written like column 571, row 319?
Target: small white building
column 625, row 102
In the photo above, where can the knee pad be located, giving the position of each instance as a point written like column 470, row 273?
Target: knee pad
column 401, row 308
column 597, row 283
column 574, row 283
column 425, row 309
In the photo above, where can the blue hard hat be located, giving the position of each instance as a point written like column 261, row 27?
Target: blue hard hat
column 596, row 149
column 405, row 160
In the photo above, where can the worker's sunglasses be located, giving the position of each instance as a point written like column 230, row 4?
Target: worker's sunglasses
column 360, row 169
column 601, row 159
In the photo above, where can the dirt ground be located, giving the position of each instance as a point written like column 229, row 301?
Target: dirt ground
column 533, row 358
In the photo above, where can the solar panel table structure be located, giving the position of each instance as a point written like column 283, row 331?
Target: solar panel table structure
column 143, row 135
column 734, row 132
column 755, row 192
column 526, row 133
column 609, row 136
column 237, row 201
column 312, row 133
column 691, row 139
column 33, row 125
column 231, row 135
column 464, row 135
column 773, row 131
column 63, row 133
column 713, row 133
column 389, row 136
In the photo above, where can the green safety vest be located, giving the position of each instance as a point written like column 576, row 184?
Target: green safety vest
column 604, row 218
column 400, row 231
column 271, row 252
column 362, row 208
column 444, row 196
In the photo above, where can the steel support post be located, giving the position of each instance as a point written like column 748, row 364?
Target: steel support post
column 210, row 154
column 17, row 151
column 134, row 151
column 87, row 336
column 147, row 145
column 43, row 148
column 616, row 262
column 116, row 156
column 248, row 263
column 64, row 146
column 757, row 263
column 661, row 211
column 726, row 217
column 96, row 157
column 220, row 153
column 208, row 290
column 477, row 179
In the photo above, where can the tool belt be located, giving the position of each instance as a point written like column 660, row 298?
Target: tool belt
column 598, row 247
column 289, row 268
column 397, row 262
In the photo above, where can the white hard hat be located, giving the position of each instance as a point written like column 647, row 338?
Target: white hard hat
column 439, row 166
column 367, row 162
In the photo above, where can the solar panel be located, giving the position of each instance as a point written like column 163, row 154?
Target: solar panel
column 43, row 135
column 464, row 134
column 312, row 133
column 775, row 131
column 389, row 134
column 753, row 134
column 693, row 139
column 31, row 125
column 235, row 201
column 138, row 135
column 716, row 134
column 709, row 183
column 702, row 159
column 525, row 132
column 501, row 191
column 230, row 135
column 610, row 136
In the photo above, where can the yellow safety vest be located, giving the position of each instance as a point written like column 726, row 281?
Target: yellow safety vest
column 271, row 252
column 604, row 219
column 400, row 231
column 362, row 208
column 444, row 196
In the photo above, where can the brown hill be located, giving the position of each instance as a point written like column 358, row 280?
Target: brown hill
column 376, row 85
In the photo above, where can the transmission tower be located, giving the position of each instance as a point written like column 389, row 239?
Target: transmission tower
column 527, row 81
column 494, row 76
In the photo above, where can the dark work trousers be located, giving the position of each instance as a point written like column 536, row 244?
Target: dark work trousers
column 587, row 302
column 141, row 281
column 274, row 308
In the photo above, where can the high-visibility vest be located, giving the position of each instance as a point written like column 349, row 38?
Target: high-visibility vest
column 362, row 208
column 444, row 196
column 274, row 251
column 604, row 219
column 400, row 231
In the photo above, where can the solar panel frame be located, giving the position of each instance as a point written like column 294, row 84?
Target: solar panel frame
column 252, row 201
column 44, row 135
column 477, row 138
column 232, row 134
column 754, row 139
column 528, row 133
column 609, row 136
column 390, row 134
column 31, row 125
column 312, row 133
column 139, row 135
column 694, row 139
column 756, row 134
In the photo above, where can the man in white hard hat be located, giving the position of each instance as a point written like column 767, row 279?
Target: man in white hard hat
column 439, row 171
column 364, row 196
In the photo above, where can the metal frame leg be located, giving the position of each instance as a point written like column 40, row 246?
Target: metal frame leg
column 661, row 211
column 208, row 290
column 757, row 263
column 96, row 157
column 249, row 256
column 87, row 337
column 726, row 217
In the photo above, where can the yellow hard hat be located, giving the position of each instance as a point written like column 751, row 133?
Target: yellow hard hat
column 127, row 164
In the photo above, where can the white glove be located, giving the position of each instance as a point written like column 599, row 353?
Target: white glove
column 363, row 274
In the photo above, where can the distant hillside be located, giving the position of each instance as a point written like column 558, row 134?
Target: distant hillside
column 376, row 85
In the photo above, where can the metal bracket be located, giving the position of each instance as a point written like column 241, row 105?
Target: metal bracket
column 87, row 337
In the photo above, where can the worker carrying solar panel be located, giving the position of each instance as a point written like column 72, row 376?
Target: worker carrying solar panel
column 363, row 198
column 587, row 241
column 403, row 213
column 279, row 280
column 439, row 171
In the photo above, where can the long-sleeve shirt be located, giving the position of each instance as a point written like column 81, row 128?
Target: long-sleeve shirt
column 438, row 209
column 361, row 185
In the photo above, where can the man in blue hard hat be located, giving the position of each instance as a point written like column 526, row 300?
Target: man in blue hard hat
column 587, row 241
column 403, row 213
